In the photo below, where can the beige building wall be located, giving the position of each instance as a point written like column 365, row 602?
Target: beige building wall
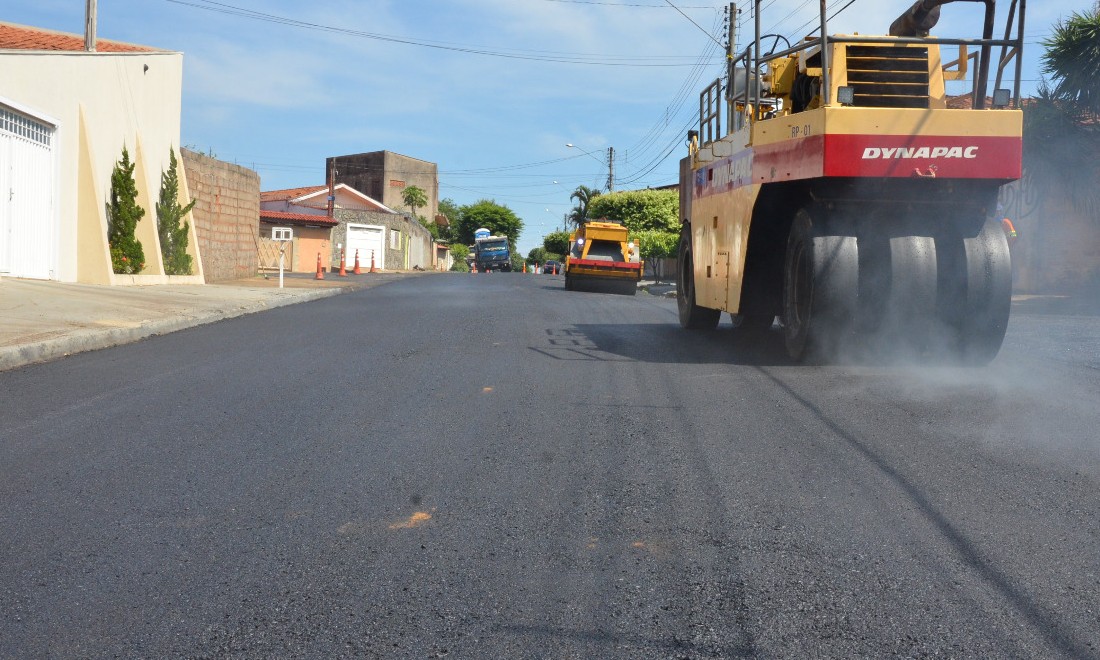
column 384, row 175
column 100, row 102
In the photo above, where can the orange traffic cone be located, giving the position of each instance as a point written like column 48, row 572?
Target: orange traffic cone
column 320, row 273
column 356, row 269
column 343, row 273
column 372, row 262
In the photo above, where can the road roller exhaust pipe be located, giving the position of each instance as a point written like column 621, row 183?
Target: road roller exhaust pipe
column 918, row 20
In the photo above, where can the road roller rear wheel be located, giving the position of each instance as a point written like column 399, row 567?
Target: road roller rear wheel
column 692, row 316
column 910, row 306
column 976, row 292
column 820, row 287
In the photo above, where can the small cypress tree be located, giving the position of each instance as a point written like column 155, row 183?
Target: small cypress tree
column 173, row 235
column 123, row 214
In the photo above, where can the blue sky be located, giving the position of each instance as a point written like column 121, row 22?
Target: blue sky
column 269, row 92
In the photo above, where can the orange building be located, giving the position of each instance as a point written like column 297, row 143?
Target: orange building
column 312, row 237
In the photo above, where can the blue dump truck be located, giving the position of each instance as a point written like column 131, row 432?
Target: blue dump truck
column 491, row 252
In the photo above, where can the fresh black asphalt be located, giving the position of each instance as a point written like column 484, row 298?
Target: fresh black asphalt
column 489, row 466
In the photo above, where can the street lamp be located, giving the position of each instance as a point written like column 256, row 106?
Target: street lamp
column 610, row 164
column 573, row 146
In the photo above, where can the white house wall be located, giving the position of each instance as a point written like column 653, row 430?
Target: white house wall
column 126, row 98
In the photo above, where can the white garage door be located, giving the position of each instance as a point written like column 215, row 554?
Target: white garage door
column 368, row 240
column 27, row 228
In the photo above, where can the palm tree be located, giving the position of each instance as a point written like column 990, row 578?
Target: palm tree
column 583, row 194
column 1061, row 133
column 1073, row 58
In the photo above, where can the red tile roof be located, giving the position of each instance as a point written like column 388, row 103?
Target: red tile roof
column 297, row 218
column 22, row 37
column 289, row 193
column 966, row 102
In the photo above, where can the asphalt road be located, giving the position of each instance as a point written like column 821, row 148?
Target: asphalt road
column 489, row 466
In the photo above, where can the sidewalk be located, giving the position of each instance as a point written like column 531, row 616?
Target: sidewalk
column 666, row 288
column 42, row 320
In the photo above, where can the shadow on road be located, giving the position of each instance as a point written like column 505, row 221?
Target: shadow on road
column 1043, row 620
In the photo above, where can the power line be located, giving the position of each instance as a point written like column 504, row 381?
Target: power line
column 672, row 117
column 816, row 19
column 657, row 162
column 626, row 4
column 674, row 108
column 530, row 55
column 720, row 44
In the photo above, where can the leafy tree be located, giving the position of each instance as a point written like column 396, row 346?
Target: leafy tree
column 414, row 198
column 448, row 208
column 640, row 210
column 556, row 242
column 433, row 229
column 584, row 196
column 453, row 212
column 459, row 252
column 173, row 235
column 539, row 256
column 497, row 218
column 123, row 214
column 656, row 245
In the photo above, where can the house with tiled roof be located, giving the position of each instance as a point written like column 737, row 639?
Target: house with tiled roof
column 306, row 211
column 357, row 224
column 66, row 114
column 315, row 198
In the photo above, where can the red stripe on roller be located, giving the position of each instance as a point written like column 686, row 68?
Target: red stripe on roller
column 951, row 157
column 596, row 263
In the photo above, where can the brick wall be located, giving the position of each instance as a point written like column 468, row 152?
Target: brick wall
column 227, row 215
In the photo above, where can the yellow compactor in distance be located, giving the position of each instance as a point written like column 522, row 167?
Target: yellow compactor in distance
column 602, row 259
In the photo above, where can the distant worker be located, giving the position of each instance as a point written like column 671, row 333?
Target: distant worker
column 1010, row 231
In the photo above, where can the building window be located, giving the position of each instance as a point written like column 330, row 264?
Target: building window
column 24, row 127
column 397, row 183
column 395, row 239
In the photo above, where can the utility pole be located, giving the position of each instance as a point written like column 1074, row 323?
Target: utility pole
column 611, row 169
column 731, row 46
column 89, row 26
column 331, row 187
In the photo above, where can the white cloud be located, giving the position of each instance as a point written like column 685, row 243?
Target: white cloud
column 227, row 72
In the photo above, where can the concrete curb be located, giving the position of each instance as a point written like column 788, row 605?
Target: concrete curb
column 660, row 290
column 89, row 339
